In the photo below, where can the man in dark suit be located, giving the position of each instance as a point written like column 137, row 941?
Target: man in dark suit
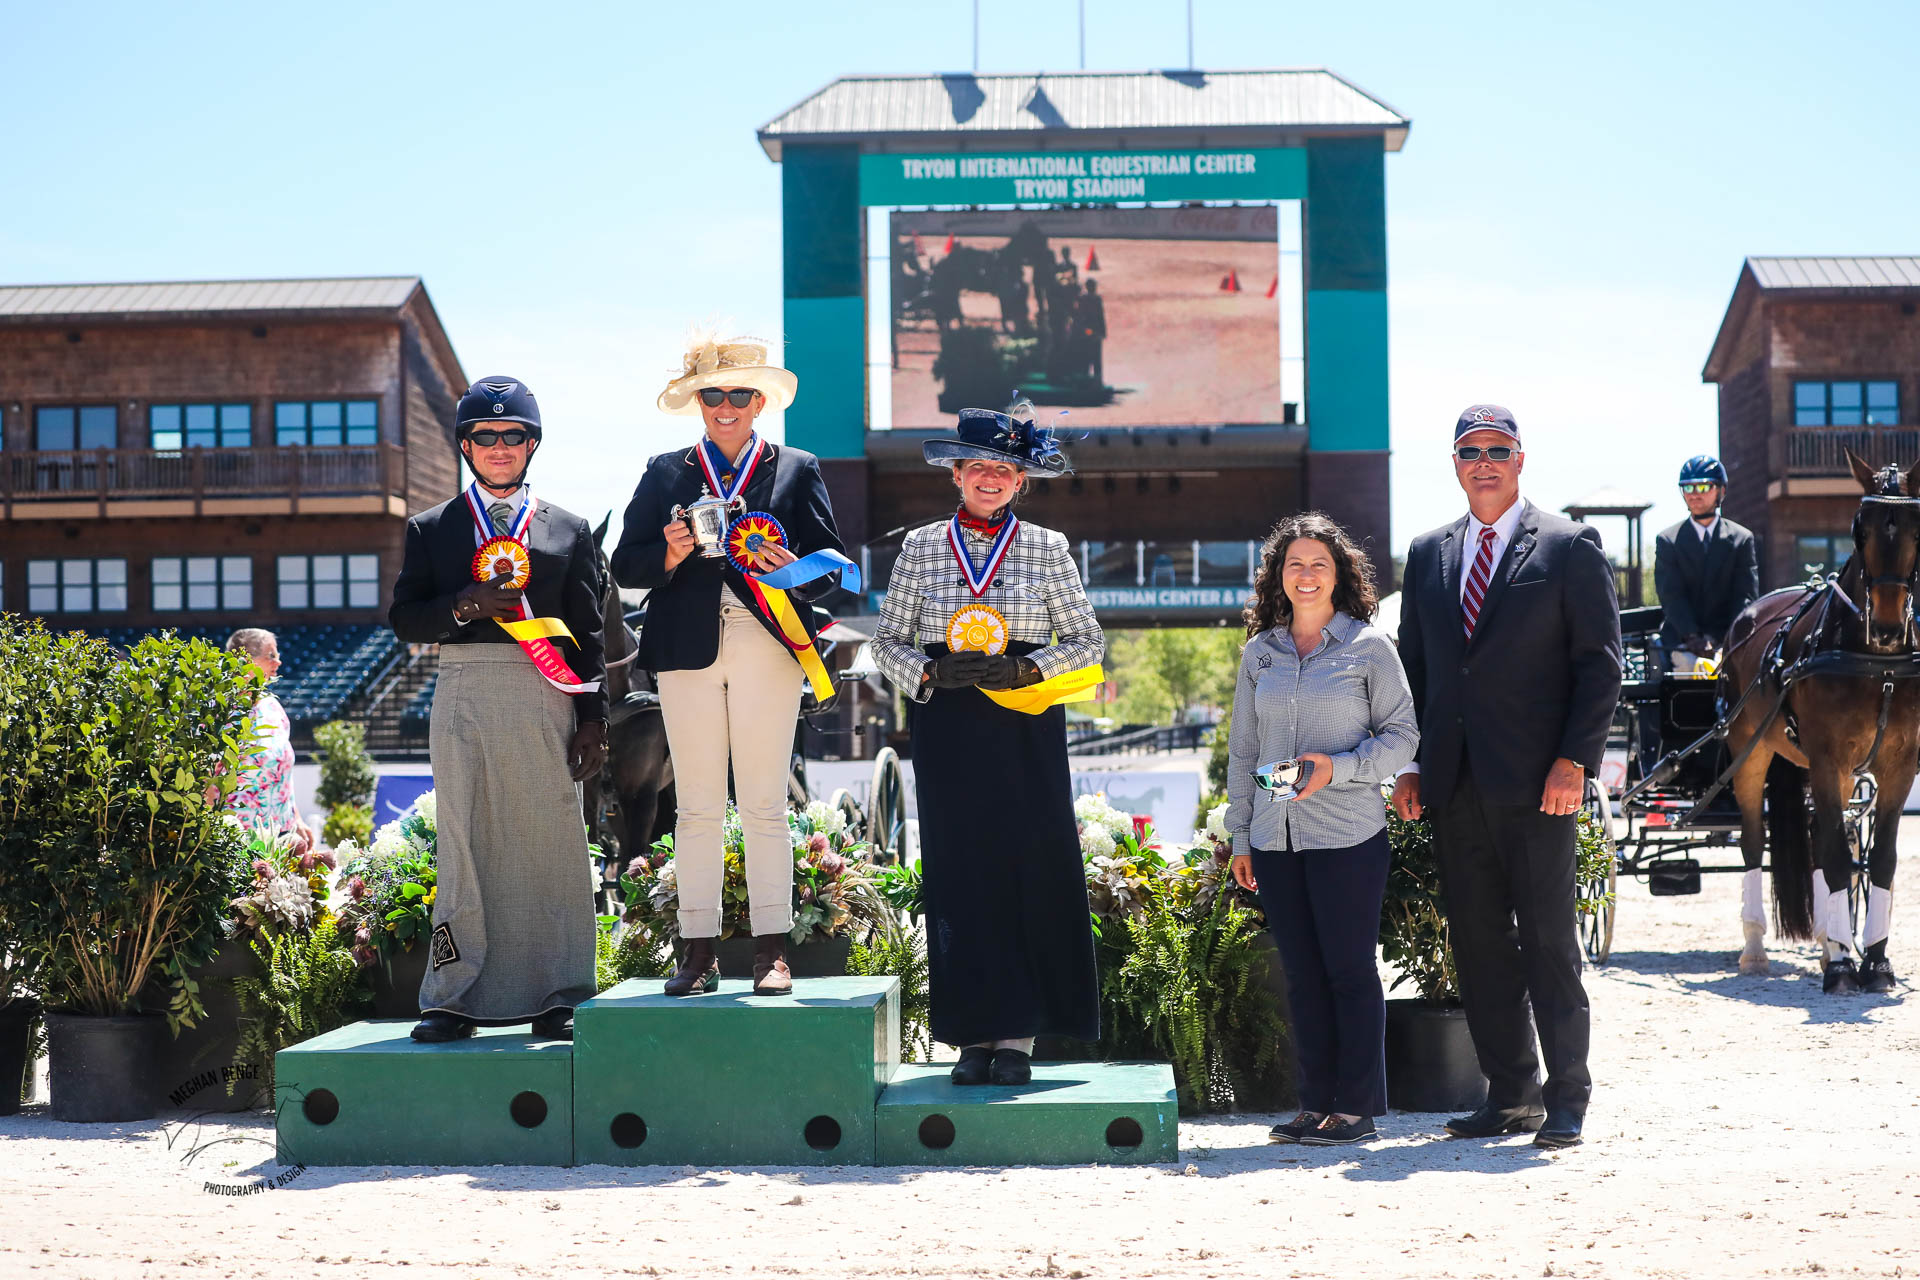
column 516, row 725
column 1510, row 633
column 1704, row 568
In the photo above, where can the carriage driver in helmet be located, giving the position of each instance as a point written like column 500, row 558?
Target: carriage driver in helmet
column 1704, row 568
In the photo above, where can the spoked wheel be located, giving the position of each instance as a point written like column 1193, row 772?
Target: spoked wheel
column 887, row 809
column 1595, row 898
column 1859, row 831
column 849, row 808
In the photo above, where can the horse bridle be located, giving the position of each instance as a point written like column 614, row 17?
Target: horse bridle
column 1909, row 585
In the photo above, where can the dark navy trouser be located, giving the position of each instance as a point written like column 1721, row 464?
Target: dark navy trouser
column 1323, row 907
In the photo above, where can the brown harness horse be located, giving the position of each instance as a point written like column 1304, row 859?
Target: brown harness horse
column 1827, row 691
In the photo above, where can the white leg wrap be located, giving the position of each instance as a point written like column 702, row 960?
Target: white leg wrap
column 1753, row 905
column 1839, row 930
column 1879, row 915
column 1819, row 901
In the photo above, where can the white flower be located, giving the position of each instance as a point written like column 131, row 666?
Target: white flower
column 1095, row 840
column 290, row 898
column 428, row 809
column 1217, row 822
column 388, row 842
column 1089, row 806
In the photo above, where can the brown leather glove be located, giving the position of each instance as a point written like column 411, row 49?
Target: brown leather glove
column 1008, row 672
column 493, row 599
column 588, row 750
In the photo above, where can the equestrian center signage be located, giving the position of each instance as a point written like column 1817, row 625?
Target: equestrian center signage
column 1083, row 177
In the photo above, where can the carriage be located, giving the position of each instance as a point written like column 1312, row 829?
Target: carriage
column 1673, row 801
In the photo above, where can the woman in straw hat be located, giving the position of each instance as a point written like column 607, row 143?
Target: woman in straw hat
column 731, row 652
column 985, row 625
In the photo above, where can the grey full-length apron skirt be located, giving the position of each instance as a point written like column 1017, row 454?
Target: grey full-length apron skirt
column 513, row 923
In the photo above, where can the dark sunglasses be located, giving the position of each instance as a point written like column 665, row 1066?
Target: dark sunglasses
column 739, row 397
column 1704, row 486
column 1473, row 453
column 486, row 439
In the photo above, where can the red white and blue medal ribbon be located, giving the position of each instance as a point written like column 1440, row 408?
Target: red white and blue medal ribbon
column 978, row 580
column 716, row 472
column 530, row 633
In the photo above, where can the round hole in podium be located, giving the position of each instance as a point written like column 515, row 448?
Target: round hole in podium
column 1125, row 1132
column 627, row 1130
column 822, row 1133
column 529, row 1109
column 321, row 1107
column 936, row 1133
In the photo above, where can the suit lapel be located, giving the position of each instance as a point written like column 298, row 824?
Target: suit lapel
column 1516, row 555
column 1450, row 560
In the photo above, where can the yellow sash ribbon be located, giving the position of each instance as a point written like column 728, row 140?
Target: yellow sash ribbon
column 1073, row 686
column 527, row 629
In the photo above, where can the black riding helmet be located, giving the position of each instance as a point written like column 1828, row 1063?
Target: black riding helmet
column 498, row 400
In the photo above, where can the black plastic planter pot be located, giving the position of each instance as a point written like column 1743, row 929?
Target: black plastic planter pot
column 1430, row 1060
column 102, row 1069
column 396, row 983
column 16, row 1026
column 197, row 1064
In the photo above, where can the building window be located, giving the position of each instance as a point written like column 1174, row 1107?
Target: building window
column 77, row 586
column 329, row 582
column 89, row 426
column 324, row 422
column 200, row 426
column 202, row 583
column 1846, row 404
column 1820, row 553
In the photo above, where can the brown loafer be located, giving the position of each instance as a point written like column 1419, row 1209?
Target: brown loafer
column 771, row 977
column 699, row 970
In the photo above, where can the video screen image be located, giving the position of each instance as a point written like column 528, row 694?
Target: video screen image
column 1123, row 317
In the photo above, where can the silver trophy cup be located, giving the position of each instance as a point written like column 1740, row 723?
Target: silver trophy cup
column 708, row 518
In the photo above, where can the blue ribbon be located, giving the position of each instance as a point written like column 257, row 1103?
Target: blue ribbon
column 817, row 564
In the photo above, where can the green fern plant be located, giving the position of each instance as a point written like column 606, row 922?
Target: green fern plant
column 305, row 987
column 903, row 957
column 631, row 953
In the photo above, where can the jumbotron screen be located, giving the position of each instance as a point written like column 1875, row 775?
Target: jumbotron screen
column 1123, row 317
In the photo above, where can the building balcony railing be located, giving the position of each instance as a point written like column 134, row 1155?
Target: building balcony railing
column 1822, row 451
column 168, row 481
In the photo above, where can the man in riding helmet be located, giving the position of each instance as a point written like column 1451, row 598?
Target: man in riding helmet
column 1704, row 568
column 509, row 586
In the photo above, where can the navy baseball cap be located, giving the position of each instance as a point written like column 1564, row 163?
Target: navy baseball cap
column 1486, row 417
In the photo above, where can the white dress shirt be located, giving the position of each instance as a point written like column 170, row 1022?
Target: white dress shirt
column 1503, row 526
column 1705, row 530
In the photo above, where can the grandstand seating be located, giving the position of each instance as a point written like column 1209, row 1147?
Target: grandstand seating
column 419, row 712
column 323, row 667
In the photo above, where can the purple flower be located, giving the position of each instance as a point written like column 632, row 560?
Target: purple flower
column 356, row 888
column 363, row 936
column 817, row 844
column 261, row 867
column 806, row 894
column 832, row 864
column 364, row 956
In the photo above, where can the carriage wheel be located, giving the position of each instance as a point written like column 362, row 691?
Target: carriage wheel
column 1859, row 831
column 887, row 809
column 1596, row 922
column 856, row 821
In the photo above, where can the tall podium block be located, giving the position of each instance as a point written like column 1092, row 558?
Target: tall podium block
column 731, row 1078
column 368, row 1094
column 1072, row 1113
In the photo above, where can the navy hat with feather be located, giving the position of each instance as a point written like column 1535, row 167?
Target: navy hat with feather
column 1001, row 437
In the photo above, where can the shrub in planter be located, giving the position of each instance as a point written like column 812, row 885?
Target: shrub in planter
column 114, row 875
column 348, row 823
column 347, row 774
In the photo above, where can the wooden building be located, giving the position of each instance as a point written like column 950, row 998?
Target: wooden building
column 1815, row 356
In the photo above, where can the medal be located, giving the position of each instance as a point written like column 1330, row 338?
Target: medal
column 977, row 581
column 726, row 481
column 503, row 555
column 977, row 628
column 751, row 534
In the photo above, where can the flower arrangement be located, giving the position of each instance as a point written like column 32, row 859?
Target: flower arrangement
column 286, row 892
column 837, row 891
column 390, row 888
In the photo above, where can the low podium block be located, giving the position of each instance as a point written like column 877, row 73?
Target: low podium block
column 730, row 1078
column 1072, row 1113
column 368, row 1094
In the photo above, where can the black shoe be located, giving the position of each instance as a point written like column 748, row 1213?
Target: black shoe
column 439, row 1028
column 1876, row 975
column 1335, row 1132
column 974, row 1065
column 1010, row 1066
column 554, row 1024
column 1292, row 1129
column 1562, row 1129
column 1841, row 979
column 1491, row 1122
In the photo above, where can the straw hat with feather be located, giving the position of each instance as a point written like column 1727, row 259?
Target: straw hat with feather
column 729, row 362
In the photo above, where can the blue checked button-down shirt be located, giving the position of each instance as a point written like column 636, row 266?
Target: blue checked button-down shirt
column 1349, row 699
column 1037, row 590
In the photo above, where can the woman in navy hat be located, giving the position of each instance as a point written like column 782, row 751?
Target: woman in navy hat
column 980, row 606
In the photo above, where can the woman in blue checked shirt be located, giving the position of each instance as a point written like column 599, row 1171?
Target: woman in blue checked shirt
column 982, row 602
column 1321, row 688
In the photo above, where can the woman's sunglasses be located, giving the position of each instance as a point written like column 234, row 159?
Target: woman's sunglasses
column 739, row 397
column 511, row 437
column 1473, row 453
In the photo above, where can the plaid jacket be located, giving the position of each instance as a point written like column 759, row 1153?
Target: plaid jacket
column 1037, row 590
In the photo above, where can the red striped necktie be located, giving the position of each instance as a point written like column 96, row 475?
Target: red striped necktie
column 1476, row 593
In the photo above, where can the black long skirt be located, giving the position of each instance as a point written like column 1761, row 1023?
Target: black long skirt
column 1009, row 946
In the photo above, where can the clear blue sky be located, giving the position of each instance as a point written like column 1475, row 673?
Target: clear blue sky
column 577, row 183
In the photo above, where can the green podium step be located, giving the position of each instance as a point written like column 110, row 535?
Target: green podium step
column 367, row 1094
column 730, row 1078
column 1072, row 1113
